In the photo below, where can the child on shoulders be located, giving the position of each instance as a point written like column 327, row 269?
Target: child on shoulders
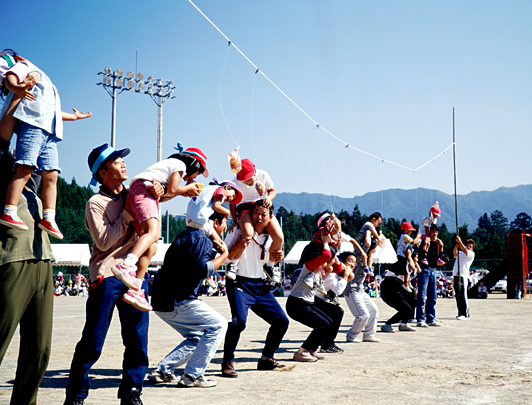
column 255, row 184
column 186, row 165
column 367, row 233
column 39, row 128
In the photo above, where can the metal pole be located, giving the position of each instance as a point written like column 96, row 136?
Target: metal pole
column 456, row 209
column 160, row 152
column 113, row 116
column 160, row 131
column 167, row 227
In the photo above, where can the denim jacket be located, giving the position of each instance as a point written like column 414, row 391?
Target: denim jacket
column 187, row 262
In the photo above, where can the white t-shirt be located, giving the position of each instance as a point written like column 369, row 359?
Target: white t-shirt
column 333, row 283
column 427, row 222
column 465, row 263
column 250, row 265
column 162, row 171
column 250, row 193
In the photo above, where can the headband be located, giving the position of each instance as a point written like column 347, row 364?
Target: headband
column 326, row 215
column 104, row 155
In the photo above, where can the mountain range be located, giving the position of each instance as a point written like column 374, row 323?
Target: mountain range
column 413, row 205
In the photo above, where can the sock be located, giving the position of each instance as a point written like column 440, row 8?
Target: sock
column 131, row 259
column 10, row 210
column 263, row 357
column 49, row 215
column 270, row 263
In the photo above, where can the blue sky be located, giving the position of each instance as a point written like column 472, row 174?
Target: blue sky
column 382, row 76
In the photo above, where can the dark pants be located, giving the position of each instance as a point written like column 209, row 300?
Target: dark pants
column 27, row 298
column 460, row 290
column 309, row 315
column 336, row 313
column 245, row 294
column 394, row 295
column 100, row 305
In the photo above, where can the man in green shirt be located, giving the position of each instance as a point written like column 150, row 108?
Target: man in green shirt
column 26, row 289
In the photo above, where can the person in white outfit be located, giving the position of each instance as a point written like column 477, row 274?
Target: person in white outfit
column 361, row 306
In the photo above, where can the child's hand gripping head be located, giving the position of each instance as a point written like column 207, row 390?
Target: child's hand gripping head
column 235, row 161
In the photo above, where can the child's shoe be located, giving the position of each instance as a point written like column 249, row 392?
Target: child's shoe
column 230, row 271
column 13, row 221
column 407, row 287
column 368, row 271
column 211, row 282
column 50, row 228
column 272, row 273
column 440, row 262
column 137, row 299
column 127, row 275
column 425, row 262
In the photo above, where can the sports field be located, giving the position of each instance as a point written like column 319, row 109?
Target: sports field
column 484, row 360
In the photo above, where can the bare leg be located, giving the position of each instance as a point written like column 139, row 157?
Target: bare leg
column 49, row 189
column 275, row 231
column 246, row 225
column 8, row 122
column 19, row 180
column 145, row 259
column 151, row 236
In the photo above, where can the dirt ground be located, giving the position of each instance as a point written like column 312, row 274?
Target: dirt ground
column 484, row 360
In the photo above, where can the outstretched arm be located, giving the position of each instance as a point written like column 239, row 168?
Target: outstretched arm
column 75, row 116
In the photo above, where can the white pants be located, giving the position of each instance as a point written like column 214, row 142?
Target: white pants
column 365, row 312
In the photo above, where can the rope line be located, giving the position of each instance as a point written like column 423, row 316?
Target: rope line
column 257, row 70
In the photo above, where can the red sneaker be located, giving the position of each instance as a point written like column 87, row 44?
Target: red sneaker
column 137, row 299
column 50, row 228
column 13, row 222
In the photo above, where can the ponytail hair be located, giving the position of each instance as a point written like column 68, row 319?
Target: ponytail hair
column 191, row 163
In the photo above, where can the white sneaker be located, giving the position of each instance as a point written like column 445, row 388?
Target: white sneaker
column 372, row 339
column 434, row 323
column 462, row 317
column 353, row 340
column 230, row 271
column 422, row 325
column 200, row 382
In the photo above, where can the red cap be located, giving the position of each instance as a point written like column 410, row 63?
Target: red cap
column 247, row 171
column 200, row 157
column 435, row 209
column 407, row 226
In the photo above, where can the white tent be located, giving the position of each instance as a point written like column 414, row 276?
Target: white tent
column 386, row 254
column 71, row 254
column 158, row 259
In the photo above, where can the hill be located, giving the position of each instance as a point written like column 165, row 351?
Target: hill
column 415, row 204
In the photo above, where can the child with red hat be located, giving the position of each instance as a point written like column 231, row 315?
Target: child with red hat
column 255, row 184
column 424, row 230
column 186, row 165
column 405, row 248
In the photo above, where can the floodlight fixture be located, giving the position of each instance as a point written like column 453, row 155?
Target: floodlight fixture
column 107, row 70
column 119, row 73
column 130, row 84
column 151, row 79
column 140, row 76
column 107, row 81
column 141, row 85
column 130, row 74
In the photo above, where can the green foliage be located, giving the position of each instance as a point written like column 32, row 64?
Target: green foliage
column 70, row 212
column 174, row 226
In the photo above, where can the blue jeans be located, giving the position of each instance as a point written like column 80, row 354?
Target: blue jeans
column 99, row 311
column 244, row 294
column 203, row 329
column 426, row 286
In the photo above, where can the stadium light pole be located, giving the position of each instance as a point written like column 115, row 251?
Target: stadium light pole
column 115, row 83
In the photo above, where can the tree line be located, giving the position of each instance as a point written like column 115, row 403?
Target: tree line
column 489, row 234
